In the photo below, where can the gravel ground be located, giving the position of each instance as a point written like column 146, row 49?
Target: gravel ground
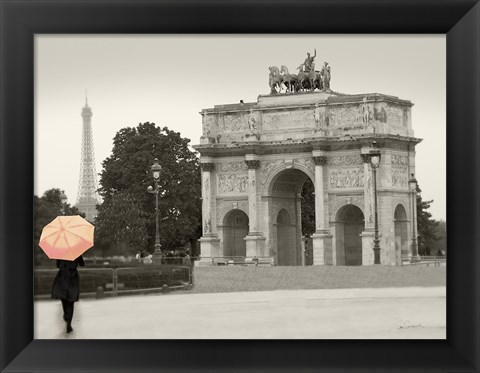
column 229, row 279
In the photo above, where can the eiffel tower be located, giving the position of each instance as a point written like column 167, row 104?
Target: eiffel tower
column 87, row 198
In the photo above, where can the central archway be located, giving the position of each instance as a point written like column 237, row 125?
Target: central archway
column 286, row 245
column 234, row 231
column 349, row 224
column 285, row 198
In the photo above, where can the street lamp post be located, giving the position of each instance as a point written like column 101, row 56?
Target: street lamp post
column 413, row 189
column 63, row 201
column 156, row 169
column 375, row 157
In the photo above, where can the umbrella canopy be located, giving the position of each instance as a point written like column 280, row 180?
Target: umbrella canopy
column 66, row 237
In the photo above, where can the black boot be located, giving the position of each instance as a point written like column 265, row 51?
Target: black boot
column 69, row 327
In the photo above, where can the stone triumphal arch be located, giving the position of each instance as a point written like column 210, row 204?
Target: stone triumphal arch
column 255, row 158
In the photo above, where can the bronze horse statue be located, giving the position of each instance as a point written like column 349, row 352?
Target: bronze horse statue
column 312, row 77
column 290, row 80
column 275, row 79
column 305, row 80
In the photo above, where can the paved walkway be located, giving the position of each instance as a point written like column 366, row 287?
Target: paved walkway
column 387, row 313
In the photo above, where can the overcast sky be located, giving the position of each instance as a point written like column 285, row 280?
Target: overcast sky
column 168, row 80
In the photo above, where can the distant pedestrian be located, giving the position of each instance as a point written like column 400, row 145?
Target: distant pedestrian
column 186, row 260
column 148, row 259
column 66, row 287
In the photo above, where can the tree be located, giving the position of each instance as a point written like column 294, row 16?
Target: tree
column 427, row 227
column 121, row 219
column 45, row 209
column 124, row 181
column 308, row 208
column 441, row 233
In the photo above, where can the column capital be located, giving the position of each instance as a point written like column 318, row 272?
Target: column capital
column 208, row 166
column 252, row 164
column 320, row 160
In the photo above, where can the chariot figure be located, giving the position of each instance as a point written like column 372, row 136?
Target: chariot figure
column 307, row 65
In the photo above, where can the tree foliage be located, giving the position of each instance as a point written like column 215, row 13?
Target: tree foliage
column 121, row 219
column 308, row 208
column 441, row 246
column 45, row 209
column 128, row 211
column 427, row 227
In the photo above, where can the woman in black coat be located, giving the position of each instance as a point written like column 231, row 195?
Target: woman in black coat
column 66, row 287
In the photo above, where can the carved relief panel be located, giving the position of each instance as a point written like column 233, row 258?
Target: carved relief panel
column 307, row 163
column 210, row 124
column 400, row 177
column 288, row 120
column 399, row 160
column 345, row 171
column 231, row 166
column 343, row 116
column 232, row 184
column 267, row 167
column 346, row 178
column 345, row 160
column 399, row 171
column 233, row 123
column 365, row 114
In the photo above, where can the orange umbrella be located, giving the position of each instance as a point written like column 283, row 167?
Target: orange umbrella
column 67, row 237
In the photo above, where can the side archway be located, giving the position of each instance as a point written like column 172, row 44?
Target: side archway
column 286, row 237
column 235, row 228
column 401, row 233
column 349, row 224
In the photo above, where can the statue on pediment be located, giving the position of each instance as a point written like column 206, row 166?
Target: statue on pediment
column 319, row 117
column 252, row 121
column 325, row 73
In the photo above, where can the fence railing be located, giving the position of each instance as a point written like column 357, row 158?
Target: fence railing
column 424, row 260
column 120, row 280
column 241, row 260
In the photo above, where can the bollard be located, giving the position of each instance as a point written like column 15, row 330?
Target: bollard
column 164, row 288
column 100, row 293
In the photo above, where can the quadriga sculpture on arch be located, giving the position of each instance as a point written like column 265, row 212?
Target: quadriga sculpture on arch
column 307, row 79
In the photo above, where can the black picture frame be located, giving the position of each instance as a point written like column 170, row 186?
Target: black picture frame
column 20, row 20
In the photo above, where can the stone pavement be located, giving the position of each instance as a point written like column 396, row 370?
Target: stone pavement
column 386, row 313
